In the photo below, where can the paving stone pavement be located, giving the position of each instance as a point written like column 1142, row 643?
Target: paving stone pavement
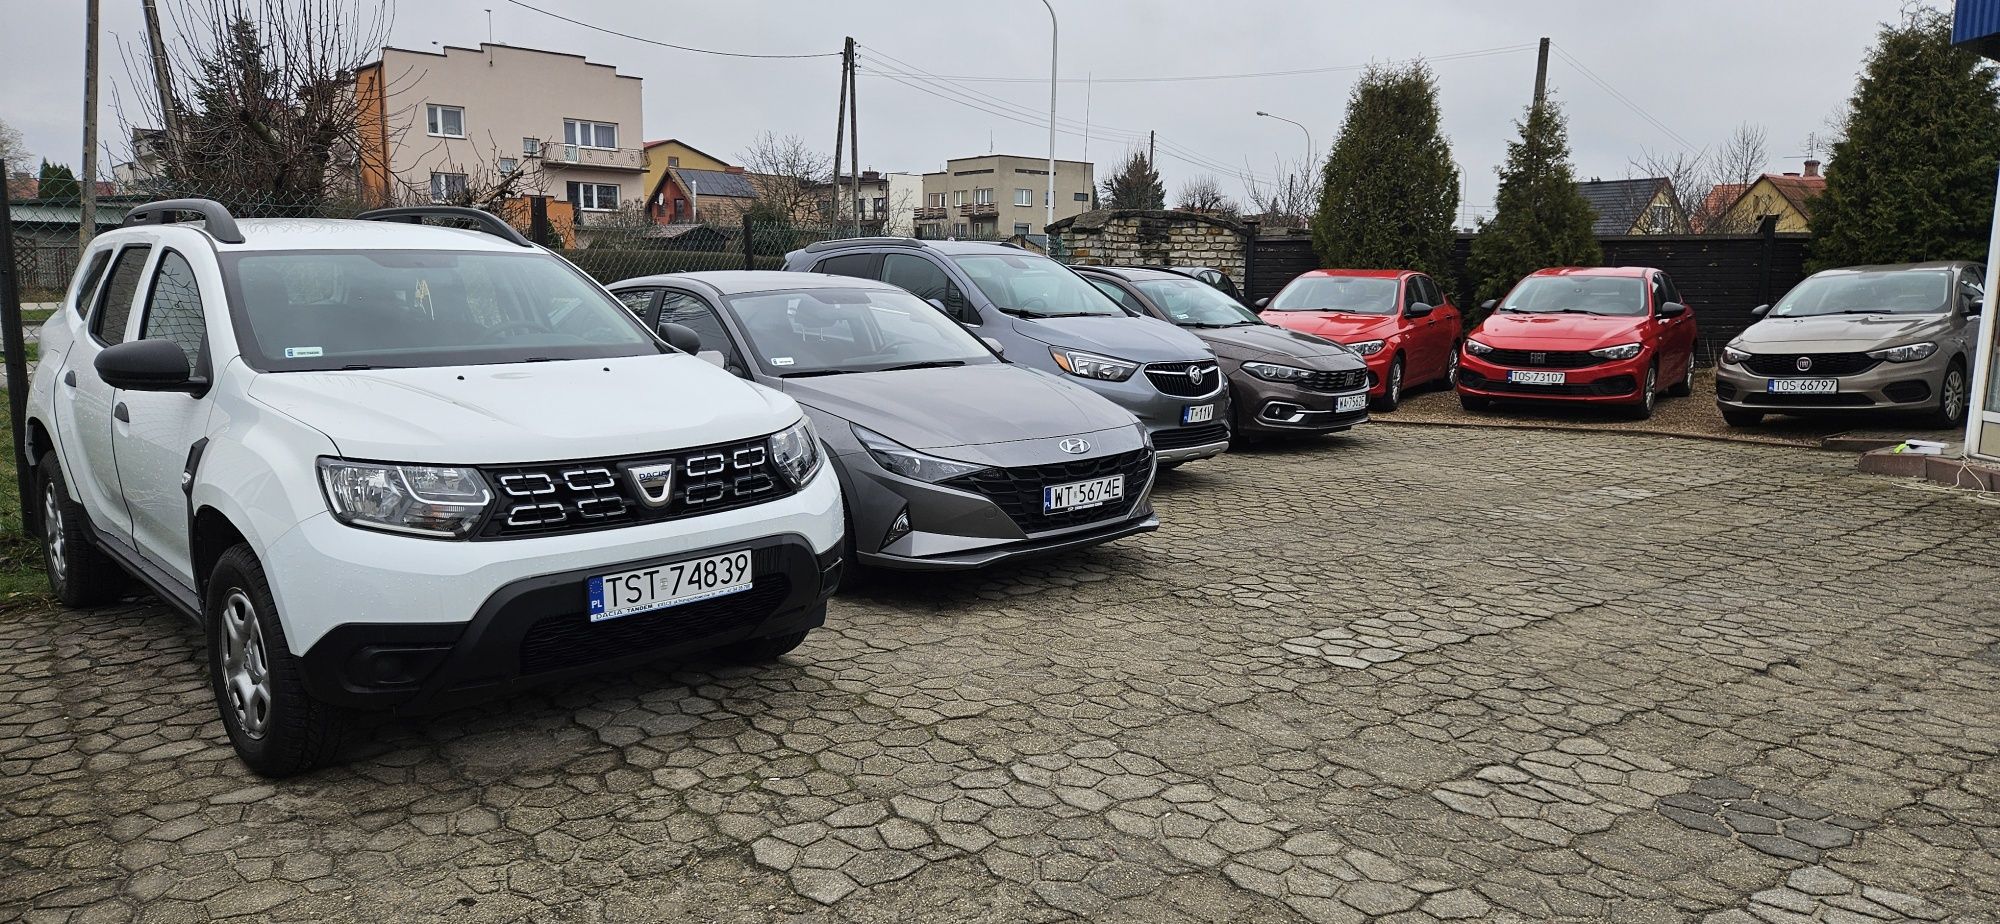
column 1406, row 676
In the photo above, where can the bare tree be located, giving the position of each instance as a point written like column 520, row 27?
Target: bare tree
column 12, row 150
column 263, row 91
column 1203, row 193
column 1708, row 184
column 1287, row 201
column 789, row 176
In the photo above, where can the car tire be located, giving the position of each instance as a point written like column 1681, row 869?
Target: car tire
column 1392, row 387
column 1954, row 396
column 1736, row 418
column 1474, row 402
column 1685, row 386
column 758, row 650
column 80, row 574
column 1450, row 380
column 1649, row 394
column 289, row 732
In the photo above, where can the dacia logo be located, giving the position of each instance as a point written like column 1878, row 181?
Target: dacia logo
column 653, row 483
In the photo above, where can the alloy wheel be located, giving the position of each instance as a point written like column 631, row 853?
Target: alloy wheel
column 1651, row 392
column 1451, row 370
column 1953, row 394
column 54, row 544
column 1395, row 382
column 245, row 671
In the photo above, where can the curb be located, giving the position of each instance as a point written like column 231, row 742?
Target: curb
column 1560, row 428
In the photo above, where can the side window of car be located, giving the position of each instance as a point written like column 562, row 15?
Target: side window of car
column 108, row 323
column 88, row 283
column 1673, row 291
column 1970, row 285
column 925, row 280
column 1660, row 296
column 637, row 301
column 860, row 265
column 1413, row 292
column 174, row 310
column 694, row 314
column 1425, row 291
column 1118, row 294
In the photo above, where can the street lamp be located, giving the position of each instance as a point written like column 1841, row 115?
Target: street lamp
column 1309, row 135
column 1050, row 195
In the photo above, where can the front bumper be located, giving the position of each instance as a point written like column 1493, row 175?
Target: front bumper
column 1612, row 382
column 1161, row 414
column 1264, row 407
column 1886, row 386
column 535, row 630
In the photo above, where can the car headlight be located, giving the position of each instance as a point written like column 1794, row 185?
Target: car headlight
column 1733, row 356
column 1476, row 348
column 1093, row 366
column 796, row 450
column 1272, row 372
column 1621, row 351
column 1907, row 353
column 1368, row 347
column 441, row 501
column 908, row 462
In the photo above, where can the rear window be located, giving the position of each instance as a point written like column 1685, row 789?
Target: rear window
column 317, row 310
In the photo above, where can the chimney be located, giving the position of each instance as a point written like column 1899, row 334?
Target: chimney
column 1812, row 167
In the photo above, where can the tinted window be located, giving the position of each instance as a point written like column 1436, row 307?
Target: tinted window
column 637, row 301
column 1431, row 296
column 926, row 280
column 824, row 331
column 173, row 309
column 1346, row 294
column 1673, row 291
column 1660, row 296
column 87, row 283
column 108, row 325
column 1623, row 296
column 299, row 310
column 694, row 314
column 860, row 265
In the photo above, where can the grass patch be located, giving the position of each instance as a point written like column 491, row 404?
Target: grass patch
column 21, row 574
column 33, row 317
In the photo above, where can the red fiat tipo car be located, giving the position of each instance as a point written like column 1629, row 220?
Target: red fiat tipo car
column 1399, row 321
column 1610, row 335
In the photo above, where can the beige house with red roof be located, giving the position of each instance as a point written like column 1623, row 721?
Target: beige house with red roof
column 1784, row 196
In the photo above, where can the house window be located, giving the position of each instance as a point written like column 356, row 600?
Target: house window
column 531, row 147
column 680, row 209
column 1020, row 228
column 447, row 186
column 446, row 121
column 1081, row 197
column 881, row 206
column 590, row 134
column 958, row 197
column 594, row 197
column 508, row 165
column 937, row 200
column 983, row 196
column 1024, row 197
column 958, row 230
column 673, row 161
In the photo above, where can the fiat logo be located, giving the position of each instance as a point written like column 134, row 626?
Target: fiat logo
column 1804, row 363
column 1075, row 446
column 1196, row 374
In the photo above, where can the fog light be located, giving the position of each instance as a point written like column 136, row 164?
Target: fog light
column 898, row 529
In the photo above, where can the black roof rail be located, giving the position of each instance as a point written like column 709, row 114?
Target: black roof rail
column 221, row 224
column 482, row 221
column 839, row 242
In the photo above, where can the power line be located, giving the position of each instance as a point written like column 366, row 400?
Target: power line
column 1622, row 98
column 640, row 38
column 1188, row 78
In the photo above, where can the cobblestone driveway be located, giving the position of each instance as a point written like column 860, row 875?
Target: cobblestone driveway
column 1417, row 674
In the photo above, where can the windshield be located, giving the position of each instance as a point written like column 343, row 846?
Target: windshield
column 1622, row 296
column 394, row 309
column 1886, row 292
column 1192, row 303
column 1346, row 294
column 803, row 332
column 1035, row 287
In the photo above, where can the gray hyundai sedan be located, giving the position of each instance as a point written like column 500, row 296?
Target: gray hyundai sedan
column 949, row 457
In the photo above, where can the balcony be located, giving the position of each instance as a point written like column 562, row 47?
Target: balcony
column 979, row 210
column 574, row 155
column 933, row 213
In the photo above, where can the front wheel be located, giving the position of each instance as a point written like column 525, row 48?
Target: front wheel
column 1953, row 397
column 1451, row 370
column 1392, row 387
column 277, row 727
column 1648, row 395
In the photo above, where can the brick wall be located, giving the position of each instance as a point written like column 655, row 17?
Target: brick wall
column 1133, row 237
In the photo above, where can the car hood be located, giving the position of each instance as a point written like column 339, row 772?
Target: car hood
column 1521, row 331
column 1145, row 340
column 1846, row 333
column 935, row 409
column 1341, row 327
column 1276, row 344
column 527, row 412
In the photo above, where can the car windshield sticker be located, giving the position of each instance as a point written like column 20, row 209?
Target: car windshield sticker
column 781, row 360
column 303, row 352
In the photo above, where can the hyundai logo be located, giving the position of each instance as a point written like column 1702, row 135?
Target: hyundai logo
column 1075, row 445
column 1196, row 374
column 1804, row 363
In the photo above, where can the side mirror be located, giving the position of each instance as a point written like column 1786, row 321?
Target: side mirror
column 1760, row 311
column 1975, row 307
column 146, row 365
column 1263, row 303
column 1418, row 310
column 681, row 337
column 1673, row 310
column 1488, row 304
column 999, row 349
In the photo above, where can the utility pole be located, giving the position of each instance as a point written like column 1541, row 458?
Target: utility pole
column 840, row 126
column 1055, row 34
column 854, row 132
column 1151, row 138
column 162, row 83
column 1542, row 74
column 86, row 225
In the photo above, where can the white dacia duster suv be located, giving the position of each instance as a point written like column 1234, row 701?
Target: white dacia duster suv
column 386, row 465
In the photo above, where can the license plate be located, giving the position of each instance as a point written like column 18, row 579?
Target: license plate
column 1078, row 495
column 1197, row 413
column 1528, row 377
column 628, row 592
column 1348, row 403
column 1802, row 386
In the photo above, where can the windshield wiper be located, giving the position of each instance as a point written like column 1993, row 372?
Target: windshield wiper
column 364, row 367
column 1863, row 311
column 932, row 364
column 816, row 372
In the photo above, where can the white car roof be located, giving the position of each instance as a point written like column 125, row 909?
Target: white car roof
column 261, row 234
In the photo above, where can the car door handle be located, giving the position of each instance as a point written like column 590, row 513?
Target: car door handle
column 121, row 413
column 69, row 378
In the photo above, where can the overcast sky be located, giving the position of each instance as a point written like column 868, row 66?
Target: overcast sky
column 1695, row 68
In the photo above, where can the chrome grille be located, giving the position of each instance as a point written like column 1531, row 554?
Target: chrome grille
column 1186, row 380
column 590, row 494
